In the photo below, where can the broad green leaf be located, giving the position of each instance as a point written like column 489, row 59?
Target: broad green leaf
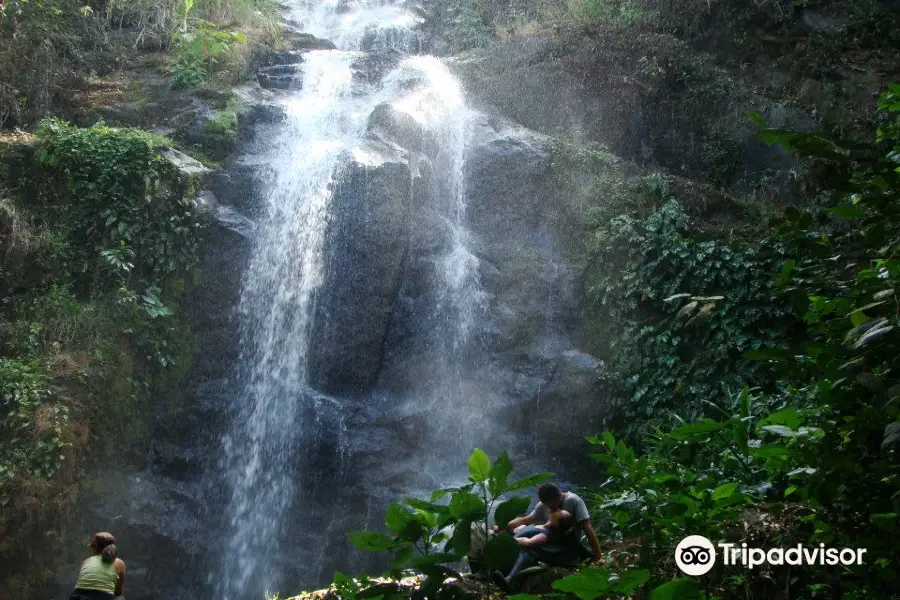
column 461, row 540
column 427, row 518
column 466, row 505
column 413, row 530
column 790, row 490
column 724, row 491
column 509, row 510
column 756, row 118
column 501, row 552
column 679, row 589
column 886, row 521
column 396, row 518
column 530, row 481
column 858, row 318
column 744, row 402
column 436, row 495
column 402, row 556
column 433, row 559
column 779, row 430
column 630, row 581
column 479, row 466
column 587, row 584
column 847, row 211
column 695, row 431
column 501, row 469
column 788, row 417
column 609, row 439
column 427, row 506
column 371, row 540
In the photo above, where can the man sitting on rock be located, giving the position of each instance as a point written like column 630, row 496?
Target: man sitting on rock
column 563, row 547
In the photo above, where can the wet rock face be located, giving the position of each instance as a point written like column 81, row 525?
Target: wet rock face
column 592, row 88
column 521, row 235
column 281, row 77
column 298, row 40
column 373, row 66
column 365, row 246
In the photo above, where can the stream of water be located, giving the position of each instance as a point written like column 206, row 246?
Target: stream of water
column 266, row 446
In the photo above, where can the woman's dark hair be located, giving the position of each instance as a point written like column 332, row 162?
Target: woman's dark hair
column 547, row 492
column 105, row 544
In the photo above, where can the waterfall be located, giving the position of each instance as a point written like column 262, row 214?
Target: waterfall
column 276, row 307
column 266, row 447
column 441, row 108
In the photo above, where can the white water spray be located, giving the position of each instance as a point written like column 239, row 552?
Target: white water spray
column 326, row 122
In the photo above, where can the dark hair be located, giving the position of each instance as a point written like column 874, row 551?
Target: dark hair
column 548, row 491
column 105, row 544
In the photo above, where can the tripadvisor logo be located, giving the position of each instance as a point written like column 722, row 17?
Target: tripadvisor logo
column 695, row 555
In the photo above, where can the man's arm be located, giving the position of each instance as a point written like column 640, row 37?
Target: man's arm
column 588, row 529
column 524, row 520
column 517, row 522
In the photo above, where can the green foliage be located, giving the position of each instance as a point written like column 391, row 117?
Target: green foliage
column 47, row 47
column 217, row 137
column 623, row 13
column 124, row 195
column 199, row 51
column 418, row 527
column 465, row 24
column 644, row 267
column 30, row 426
column 816, row 452
column 42, row 45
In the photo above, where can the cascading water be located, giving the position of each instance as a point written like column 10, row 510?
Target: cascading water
column 276, row 306
column 267, row 446
column 441, row 109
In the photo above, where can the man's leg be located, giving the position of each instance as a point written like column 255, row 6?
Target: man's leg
column 511, row 582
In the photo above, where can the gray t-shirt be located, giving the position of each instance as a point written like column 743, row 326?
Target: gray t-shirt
column 571, row 502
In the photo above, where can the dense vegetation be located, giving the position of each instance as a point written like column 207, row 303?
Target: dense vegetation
column 750, row 349
column 98, row 240
column 808, row 456
column 752, row 358
column 67, row 43
column 95, row 259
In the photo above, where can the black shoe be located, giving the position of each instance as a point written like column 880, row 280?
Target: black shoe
column 501, row 581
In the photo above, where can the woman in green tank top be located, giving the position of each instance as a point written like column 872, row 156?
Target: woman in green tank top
column 102, row 576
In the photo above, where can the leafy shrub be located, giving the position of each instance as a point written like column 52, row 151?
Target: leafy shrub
column 641, row 267
column 127, row 196
column 622, row 13
column 199, row 51
column 30, row 427
column 419, row 527
column 42, row 47
column 814, row 458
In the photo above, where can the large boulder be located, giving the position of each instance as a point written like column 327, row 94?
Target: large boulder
column 298, row 40
column 281, row 77
column 366, row 242
column 371, row 67
column 520, row 233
